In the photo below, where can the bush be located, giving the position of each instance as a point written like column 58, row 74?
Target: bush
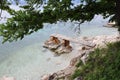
column 102, row 64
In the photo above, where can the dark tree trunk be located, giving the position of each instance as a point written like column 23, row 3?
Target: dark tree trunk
column 117, row 14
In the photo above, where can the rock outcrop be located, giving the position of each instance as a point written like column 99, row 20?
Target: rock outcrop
column 58, row 46
column 52, row 44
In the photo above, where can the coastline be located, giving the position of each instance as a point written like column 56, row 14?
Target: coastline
column 83, row 52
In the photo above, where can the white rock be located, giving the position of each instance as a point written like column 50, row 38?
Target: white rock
column 45, row 77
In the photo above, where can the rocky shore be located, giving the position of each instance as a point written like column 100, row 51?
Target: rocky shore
column 83, row 45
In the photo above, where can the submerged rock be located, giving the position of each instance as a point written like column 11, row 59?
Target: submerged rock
column 48, row 59
column 7, row 78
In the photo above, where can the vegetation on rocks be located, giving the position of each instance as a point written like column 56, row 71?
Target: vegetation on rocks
column 102, row 64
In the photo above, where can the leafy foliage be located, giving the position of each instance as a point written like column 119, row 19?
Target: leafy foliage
column 103, row 64
column 21, row 23
column 31, row 18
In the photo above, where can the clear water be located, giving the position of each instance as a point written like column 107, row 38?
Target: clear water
column 28, row 60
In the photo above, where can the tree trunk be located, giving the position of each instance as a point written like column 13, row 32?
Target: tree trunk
column 117, row 14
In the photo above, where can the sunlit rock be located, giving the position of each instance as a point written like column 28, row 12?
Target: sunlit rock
column 58, row 46
column 53, row 43
column 64, row 47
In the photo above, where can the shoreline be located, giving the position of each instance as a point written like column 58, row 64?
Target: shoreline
column 83, row 53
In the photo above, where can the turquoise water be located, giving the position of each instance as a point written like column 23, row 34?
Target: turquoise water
column 28, row 60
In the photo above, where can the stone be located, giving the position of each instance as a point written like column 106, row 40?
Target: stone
column 51, row 47
column 7, row 78
column 81, row 48
column 58, row 47
column 53, row 43
column 45, row 77
column 62, row 50
column 73, row 62
column 87, row 47
column 52, row 40
column 64, row 47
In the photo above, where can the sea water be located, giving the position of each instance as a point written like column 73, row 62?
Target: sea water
column 28, row 60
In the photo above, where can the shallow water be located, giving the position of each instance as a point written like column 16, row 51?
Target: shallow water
column 28, row 60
